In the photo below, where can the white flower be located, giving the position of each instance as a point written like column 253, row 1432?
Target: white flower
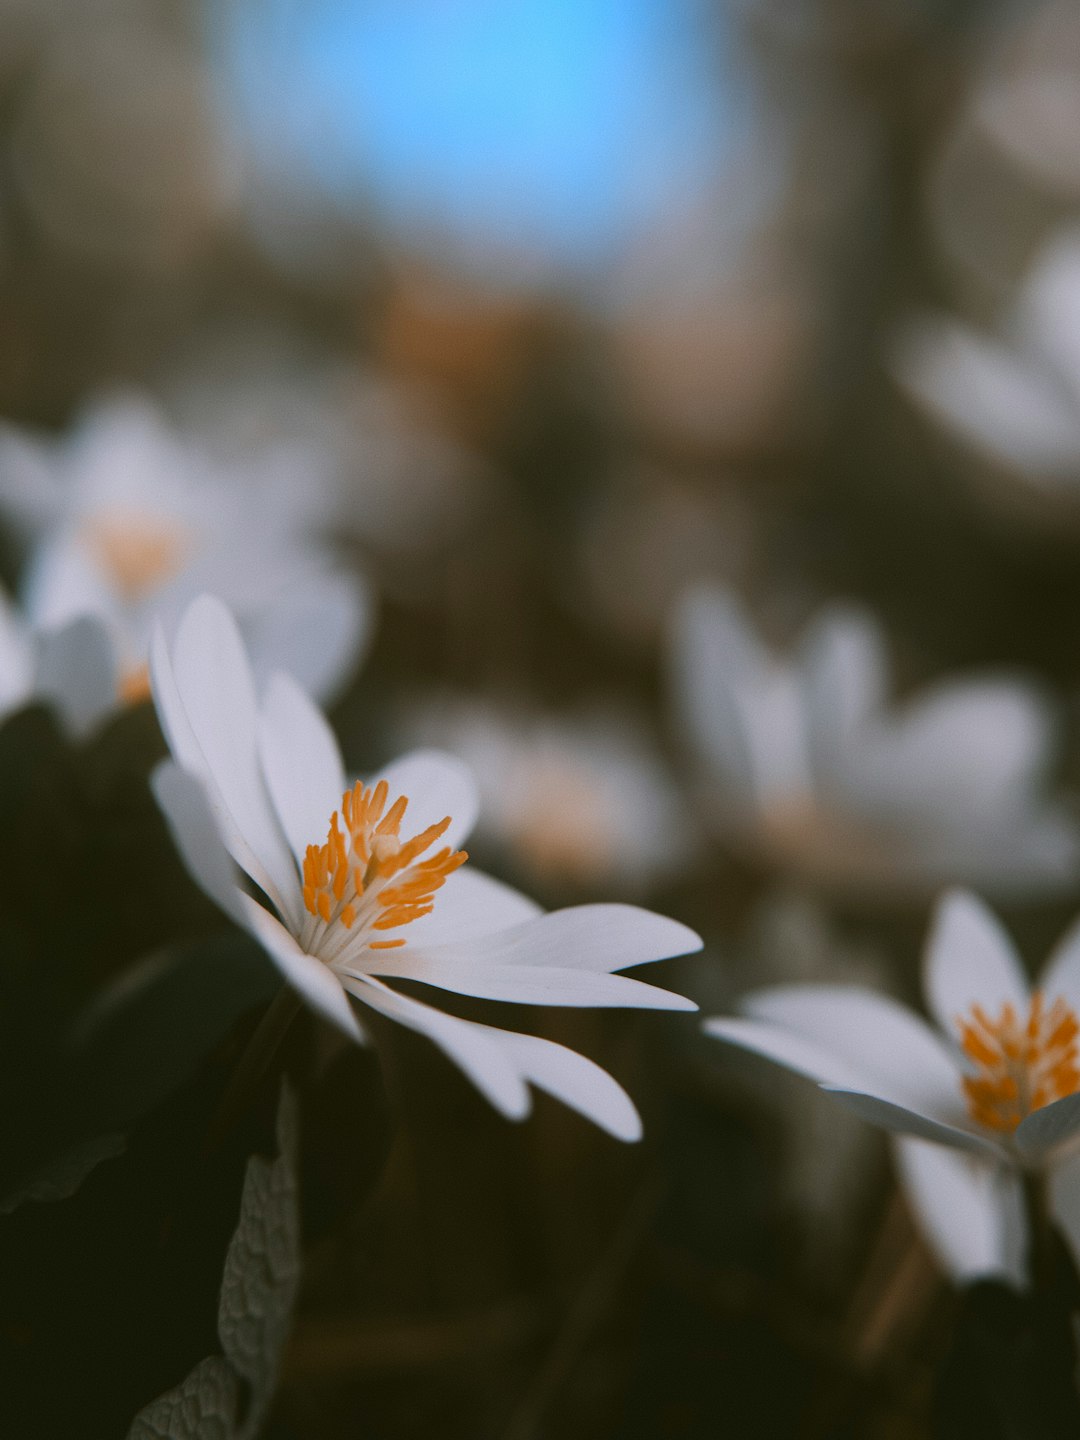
column 576, row 803
column 70, row 668
column 1015, row 396
column 804, row 761
column 129, row 523
column 368, row 905
column 998, row 1083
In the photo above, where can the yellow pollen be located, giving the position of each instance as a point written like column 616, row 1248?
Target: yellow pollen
column 1020, row 1063
column 368, row 852
column 139, row 552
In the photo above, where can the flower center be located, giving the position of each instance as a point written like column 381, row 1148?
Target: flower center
column 562, row 830
column 133, row 686
column 140, row 552
column 1020, row 1065
column 366, row 876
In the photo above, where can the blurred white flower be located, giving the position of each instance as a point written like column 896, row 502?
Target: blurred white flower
column 572, row 803
column 999, row 1086
column 803, row 761
column 1015, row 396
column 127, row 522
column 257, row 783
column 70, row 668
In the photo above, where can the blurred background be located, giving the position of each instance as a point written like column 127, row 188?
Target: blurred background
column 572, row 305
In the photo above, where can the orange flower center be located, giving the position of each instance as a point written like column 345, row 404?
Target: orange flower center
column 133, row 686
column 139, row 552
column 353, row 871
column 1019, row 1065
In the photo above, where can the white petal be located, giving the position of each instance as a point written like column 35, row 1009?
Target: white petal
column 469, row 1046
column 992, row 397
column 194, row 828
column 520, row 984
column 795, row 1052
column 471, row 904
column 77, row 671
column 206, row 703
column 1064, row 1183
column 30, row 496
column 843, row 664
column 1061, row 974
column 961, row 1203
column 894, row 1052
column 301, row 763
column 576, row 1081
column 17, row 658
column 715, row 656
column 437, row 785
column 600, row 938
column 1048, row 306
column 970, row 958
column 1044, row 1130
column 972, row 751
column 63, row 581
column 316, row 985
column 903, row 1121
column 316, row 632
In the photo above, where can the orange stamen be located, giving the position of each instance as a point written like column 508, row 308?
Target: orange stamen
column 1020, row 1065
column 367, row 853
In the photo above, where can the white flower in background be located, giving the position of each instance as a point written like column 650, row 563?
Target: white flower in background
column 803, row 761
column 571, row 803
column 998, row 1082
column 1015, row 396
column 69, row 668
column 262, row 782
column 126, row 522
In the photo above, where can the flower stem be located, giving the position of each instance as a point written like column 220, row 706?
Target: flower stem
column 1040, row 1252
column 253, row 1065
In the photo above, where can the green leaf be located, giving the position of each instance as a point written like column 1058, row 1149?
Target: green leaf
column 258, row 1290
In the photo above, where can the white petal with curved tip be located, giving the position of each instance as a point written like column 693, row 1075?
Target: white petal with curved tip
column 215, row 692
column 521, row 984
column 600, row 938
column 469, row 1046
column 904, row 1121
column 301, row 763
column 468, row 905
column 187, row 751
column 576, row 1081
column 77, row 671
column 795, row 1052
column 1044, row 1130
column 1061, row 974
column 316, row 632
column 894, row 1052
column 195, row 831
column 962, row 1204
column 970, row 958
column 317, row 986
column 437, row 785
